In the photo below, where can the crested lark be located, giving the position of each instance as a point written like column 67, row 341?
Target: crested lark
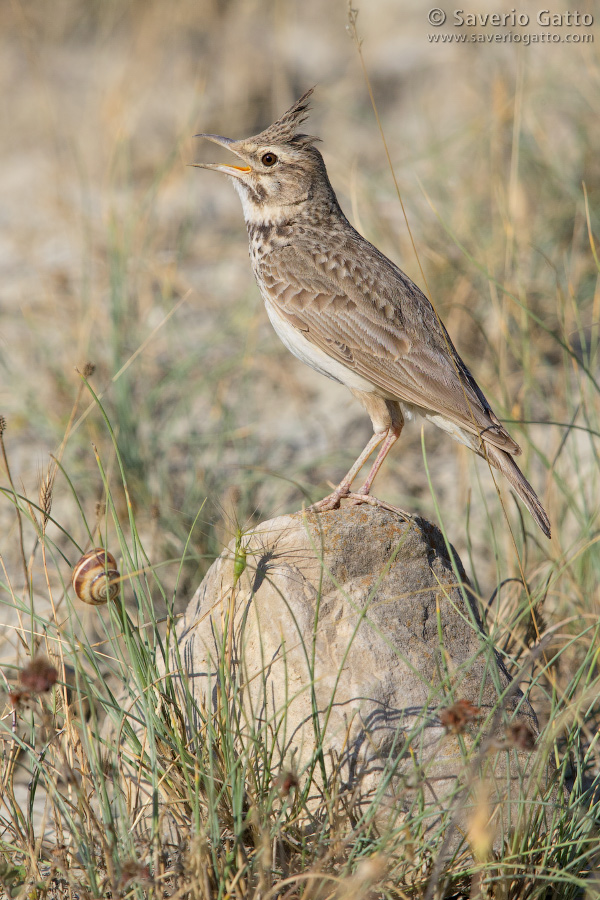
column 346, row 310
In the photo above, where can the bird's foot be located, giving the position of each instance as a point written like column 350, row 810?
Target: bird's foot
column 331, row 501
column 356, row 499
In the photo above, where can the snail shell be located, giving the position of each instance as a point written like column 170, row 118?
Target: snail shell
column 96, row 577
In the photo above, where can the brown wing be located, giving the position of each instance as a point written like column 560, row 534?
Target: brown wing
column 371, row 318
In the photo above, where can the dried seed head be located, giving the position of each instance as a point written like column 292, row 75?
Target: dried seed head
column 132, row 870
column 17, row 698
column 520, row 736
column 88, row 370
column 38, row 675
column 286, row 782
column 456, row 717
column 46, row 488
column 2, row 425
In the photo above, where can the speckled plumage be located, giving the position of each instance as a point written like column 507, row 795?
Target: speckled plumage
column 349, row 312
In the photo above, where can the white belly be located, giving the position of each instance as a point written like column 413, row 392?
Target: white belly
column 306, row 351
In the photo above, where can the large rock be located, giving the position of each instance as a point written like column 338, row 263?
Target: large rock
column 366, row 619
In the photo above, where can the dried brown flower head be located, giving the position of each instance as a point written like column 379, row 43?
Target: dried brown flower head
column 132, row 870
column 456, row 717
column 286, row 782
column 17, row 698
column 521, row 736
column 39, row 675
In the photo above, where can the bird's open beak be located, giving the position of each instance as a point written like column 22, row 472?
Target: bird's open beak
column 236, row 171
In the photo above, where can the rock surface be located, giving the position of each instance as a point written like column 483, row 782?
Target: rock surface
column 362, row 616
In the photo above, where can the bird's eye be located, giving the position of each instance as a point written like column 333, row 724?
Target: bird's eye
column 268, row 159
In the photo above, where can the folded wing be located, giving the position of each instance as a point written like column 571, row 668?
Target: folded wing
column 370, row 317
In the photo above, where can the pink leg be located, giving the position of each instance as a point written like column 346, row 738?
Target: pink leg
column 363, row 495
column 390, row 439
column 332, row 501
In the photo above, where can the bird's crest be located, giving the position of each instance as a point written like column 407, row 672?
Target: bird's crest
column 285, row 129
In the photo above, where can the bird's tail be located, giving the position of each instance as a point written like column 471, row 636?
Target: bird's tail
column 504, row 461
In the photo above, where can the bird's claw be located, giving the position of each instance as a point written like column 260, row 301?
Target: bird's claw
column 356, row 499
column 333, row 501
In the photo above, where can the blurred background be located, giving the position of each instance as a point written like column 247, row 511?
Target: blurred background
column 114, row 252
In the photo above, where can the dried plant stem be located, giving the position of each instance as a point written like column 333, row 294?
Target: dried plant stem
column 21, row 630
column 16, row 502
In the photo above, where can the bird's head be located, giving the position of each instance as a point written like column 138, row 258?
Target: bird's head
column 280, row 168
